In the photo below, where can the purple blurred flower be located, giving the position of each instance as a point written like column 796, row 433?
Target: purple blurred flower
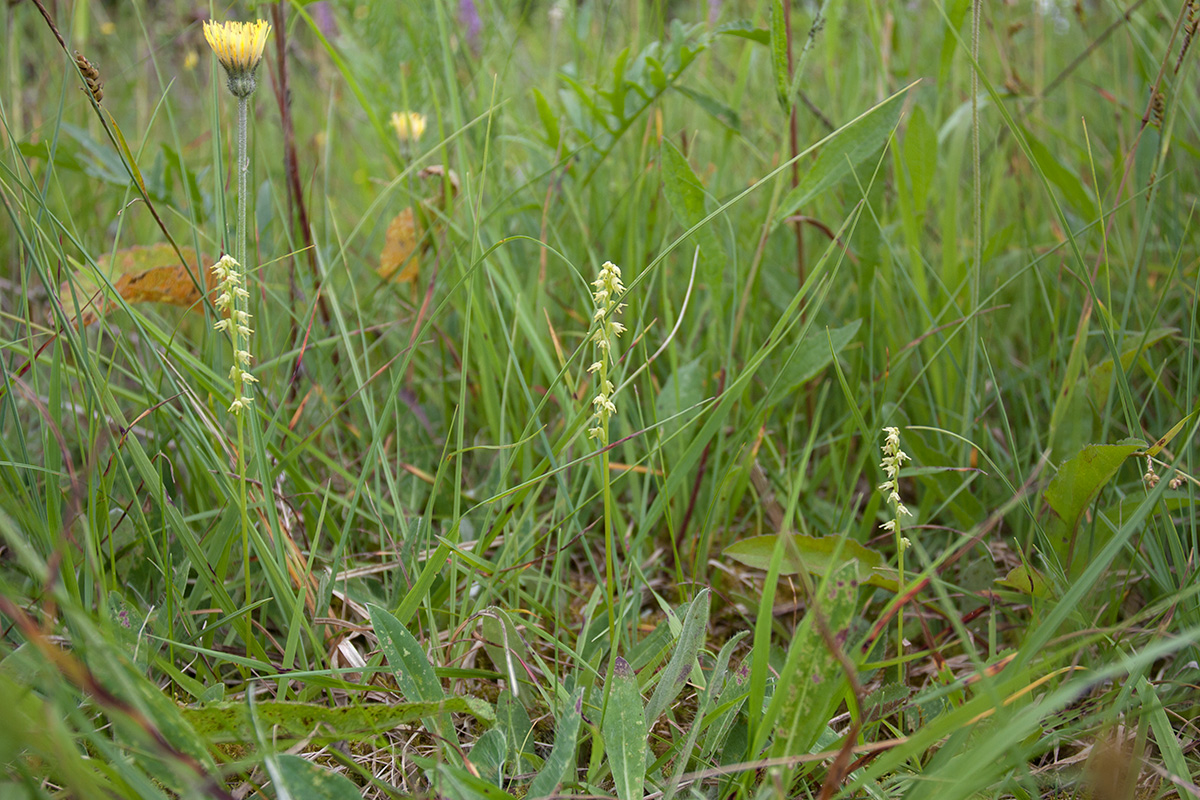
column 468, row 18
column 322, row 14
column 714, row 11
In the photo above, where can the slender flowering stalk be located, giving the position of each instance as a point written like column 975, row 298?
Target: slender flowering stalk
column 608, row 290
column 607, row 293
column 236, row 322
column 239, row 48
column 893, row 460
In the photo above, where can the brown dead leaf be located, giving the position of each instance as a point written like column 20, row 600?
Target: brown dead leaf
column 139, row 274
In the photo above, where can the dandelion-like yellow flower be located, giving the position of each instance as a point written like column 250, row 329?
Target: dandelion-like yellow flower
column 239, row 48
column 409, row 125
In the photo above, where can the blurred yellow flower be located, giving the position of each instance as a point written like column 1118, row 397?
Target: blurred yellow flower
column 409, row 125
column 239, row 47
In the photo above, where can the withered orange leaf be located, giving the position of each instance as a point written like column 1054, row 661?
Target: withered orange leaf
column 139, row 274
column 409, row 236
column 400, row 260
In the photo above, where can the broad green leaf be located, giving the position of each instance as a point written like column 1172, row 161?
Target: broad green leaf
column 301, row 779
column 812, row 681
column 1068, row 412
column 682, row 390
column 726, row 693
column 685, row 195
column 811, row 355
column 1073, row 489
column 463, row 785
column 1074, row 192
column 779, row 54
column 847, row 147
column 1101, row 378
column 673, row 678
column 230, row 721
column 1145, row 158
column 815, row 554
column 101, row 161
column 488, row 755
column 413, row 671
column 513, row 719
column 920, row 156
column 956, row 12
column 744, row 29
column 1027, row 581
column 625, row 731
column 715, row 683
column 562, row 757
column 719, row 111
column 649, row 653
column 504, row 645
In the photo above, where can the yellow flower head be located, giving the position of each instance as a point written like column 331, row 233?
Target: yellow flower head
column 409, row 125
column 239, row 48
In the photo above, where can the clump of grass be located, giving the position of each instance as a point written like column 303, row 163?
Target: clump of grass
column 417, row 524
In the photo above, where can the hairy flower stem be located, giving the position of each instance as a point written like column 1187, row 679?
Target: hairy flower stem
column 242, row 342
column 900, row 670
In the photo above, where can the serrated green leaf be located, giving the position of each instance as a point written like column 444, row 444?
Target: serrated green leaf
column 625, row 731
column 849, row 146
column 513, row 719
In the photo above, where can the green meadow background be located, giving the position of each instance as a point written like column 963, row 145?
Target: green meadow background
column 410, row 571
